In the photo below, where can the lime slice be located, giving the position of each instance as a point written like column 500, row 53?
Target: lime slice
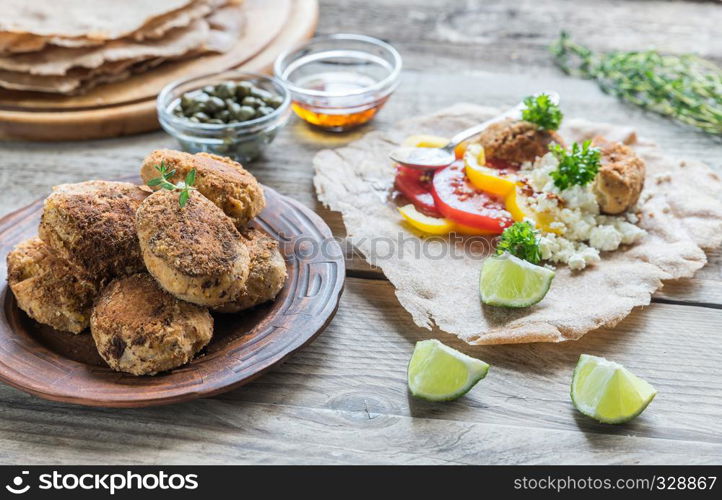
column 439, row 373
column 512, row 282
column 608, row 392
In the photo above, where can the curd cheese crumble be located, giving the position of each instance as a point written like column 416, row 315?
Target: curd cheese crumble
column 579, row 232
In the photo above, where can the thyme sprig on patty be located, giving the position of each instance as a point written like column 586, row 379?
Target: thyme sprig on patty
column 184, row 186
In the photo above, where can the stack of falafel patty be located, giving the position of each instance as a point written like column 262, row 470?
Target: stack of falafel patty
column 140, row 270
column 71, row 46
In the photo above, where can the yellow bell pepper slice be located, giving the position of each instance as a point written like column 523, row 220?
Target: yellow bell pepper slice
column 515, row 206
column 436, row 225
column 520, row 210
column 424, row 223
column 485, row 178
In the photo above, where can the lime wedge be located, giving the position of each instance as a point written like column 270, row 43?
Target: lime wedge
column 439, row 373
column 512, row 282
column 608, row 392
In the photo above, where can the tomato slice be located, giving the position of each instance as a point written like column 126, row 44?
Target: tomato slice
column 459, row 201
column 415, row 185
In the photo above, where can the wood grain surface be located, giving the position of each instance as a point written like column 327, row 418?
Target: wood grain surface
column 128, row 106
column 343, row 399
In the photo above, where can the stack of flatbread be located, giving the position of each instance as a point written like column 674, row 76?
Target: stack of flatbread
column 71, row 46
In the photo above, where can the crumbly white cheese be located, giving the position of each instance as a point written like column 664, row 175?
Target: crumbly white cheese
column 580, row 231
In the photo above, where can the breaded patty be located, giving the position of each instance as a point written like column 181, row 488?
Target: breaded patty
column 48, row 288
column 92, row 224
column 223, row 181
column 141, row 329
column 517, row 141
column 620, row 179
column 195, row 251
column 267, row 275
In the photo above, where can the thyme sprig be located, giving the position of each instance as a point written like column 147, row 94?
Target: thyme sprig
column 683, row 87
column 184, row 186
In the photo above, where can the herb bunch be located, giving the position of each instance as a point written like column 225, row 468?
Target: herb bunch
column 684, row 87
column 521, row 240
column 578, row 166
column 542, row 111
column 184, row 186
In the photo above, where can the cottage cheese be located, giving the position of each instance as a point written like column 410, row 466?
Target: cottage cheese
column 579, row 231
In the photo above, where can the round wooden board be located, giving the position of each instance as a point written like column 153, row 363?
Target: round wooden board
column 128, row 107
column 64, row 367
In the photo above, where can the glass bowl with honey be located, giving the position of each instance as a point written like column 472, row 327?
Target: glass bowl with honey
column 338, row 82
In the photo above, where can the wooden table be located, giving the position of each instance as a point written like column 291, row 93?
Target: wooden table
column 343, row 399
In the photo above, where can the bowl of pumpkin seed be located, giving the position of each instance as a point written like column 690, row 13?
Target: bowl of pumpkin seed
column 232, row 113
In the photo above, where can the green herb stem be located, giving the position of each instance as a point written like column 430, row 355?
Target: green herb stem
column 185, row 186
column 683, row 87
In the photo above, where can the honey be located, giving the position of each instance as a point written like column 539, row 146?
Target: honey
column 357, row 108
column 338, row 82
column 337, row 121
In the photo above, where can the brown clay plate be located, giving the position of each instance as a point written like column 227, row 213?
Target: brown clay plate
column 64, row 367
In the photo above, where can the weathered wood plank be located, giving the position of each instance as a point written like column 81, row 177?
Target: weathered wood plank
column 351, row 382
column 221, row 432
column 497, row 35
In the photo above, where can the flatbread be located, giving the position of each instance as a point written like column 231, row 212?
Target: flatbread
column 14, row 43
column 681, row 208
column 178, row 19
column 101, row 20
column 221, row 37
column 58, row 61
column 227, row 25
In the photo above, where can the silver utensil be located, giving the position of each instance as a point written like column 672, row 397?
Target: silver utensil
column 434, row 158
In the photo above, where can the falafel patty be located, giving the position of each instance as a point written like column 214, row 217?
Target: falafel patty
column 620, row 179
column 141, row 329
column 267, row 275
column 194, row 251
column 517, row 141
column 50, row 289
column 223, row 181
column 92, row 224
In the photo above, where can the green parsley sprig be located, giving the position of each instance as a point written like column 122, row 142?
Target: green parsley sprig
column 577, row 166
column 184, row 186
column 542, row 111
column 521, row 240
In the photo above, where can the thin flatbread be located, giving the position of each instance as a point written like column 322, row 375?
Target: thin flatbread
column 227, row 26
column 179, row 19
column 14, row 43
column 681, row 209
column 101, row 20
column 221, row 37
column 58, row 61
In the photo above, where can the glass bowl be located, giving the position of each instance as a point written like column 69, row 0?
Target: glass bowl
column 242, row 141
column 338, row 82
